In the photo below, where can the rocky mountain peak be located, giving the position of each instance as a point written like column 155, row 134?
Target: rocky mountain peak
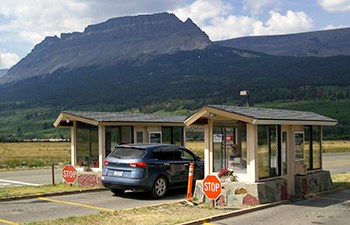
column 108, row 43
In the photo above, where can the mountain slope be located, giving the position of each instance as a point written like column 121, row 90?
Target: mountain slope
column 318, row 43
column 108, row 43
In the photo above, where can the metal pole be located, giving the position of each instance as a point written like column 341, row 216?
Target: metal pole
column 53, row 173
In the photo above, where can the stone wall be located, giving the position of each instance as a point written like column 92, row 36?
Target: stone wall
column 312, row 183
column 238, row 193
column 89, row 179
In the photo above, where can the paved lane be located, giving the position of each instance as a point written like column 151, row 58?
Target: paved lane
column 336, row 162
column 29, row 177
column 45, row 208
column 332, row 209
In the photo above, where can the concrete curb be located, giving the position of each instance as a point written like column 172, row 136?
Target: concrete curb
column 7, row 199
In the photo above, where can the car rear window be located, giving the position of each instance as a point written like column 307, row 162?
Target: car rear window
column 128, row 153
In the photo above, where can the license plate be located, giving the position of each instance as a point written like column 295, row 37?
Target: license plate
column 118, row 173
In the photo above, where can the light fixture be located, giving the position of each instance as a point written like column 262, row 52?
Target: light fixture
column 67, row 120
column 212, row 116
column 246, row 93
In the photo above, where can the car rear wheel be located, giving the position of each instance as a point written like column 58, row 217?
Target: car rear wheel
column 117, row 191
column 160, row 187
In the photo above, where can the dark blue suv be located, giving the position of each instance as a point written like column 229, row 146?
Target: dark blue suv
column 154, row 168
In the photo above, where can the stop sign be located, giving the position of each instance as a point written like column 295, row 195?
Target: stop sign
column 212, row 186
column 69, row 174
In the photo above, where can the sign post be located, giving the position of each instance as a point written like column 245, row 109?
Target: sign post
column 212, row 187
column 69, row 174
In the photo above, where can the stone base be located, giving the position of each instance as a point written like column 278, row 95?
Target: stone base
column 312, row 183
column 238, row 193
column 89, row 179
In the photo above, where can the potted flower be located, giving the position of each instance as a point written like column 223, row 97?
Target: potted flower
column 227, row 175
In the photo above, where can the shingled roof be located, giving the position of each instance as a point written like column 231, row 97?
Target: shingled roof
column 262, row 115
column 95, row 118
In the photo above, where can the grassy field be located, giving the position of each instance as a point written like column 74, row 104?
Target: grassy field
column 40, row 154
column 33, row 154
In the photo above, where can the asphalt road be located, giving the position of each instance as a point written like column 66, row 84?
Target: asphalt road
column 38, row 209
column 336, row 162
column 329, row 209
column 29, row 177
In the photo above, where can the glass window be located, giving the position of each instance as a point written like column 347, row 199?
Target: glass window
column 139, row 137
column 243, row 131
column 87, row 145
column 316, row 147
column 126, row 135
column 263, row 151
column 172, row 135
column 230, row 148
column 284, row 152
column 269, row 151
column 307, row 146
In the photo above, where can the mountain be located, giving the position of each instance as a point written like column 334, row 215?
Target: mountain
column 109, row 43
column 157, row 63
column 3, row 72
column 318, row 43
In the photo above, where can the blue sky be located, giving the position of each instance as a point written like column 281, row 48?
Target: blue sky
column 24, row 23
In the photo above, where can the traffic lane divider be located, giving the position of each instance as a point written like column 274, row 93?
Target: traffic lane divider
column 8, row 222
column 6, row 199
column 76, row 204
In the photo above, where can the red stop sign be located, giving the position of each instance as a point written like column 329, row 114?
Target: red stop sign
column 69, row 174
column 212, row 186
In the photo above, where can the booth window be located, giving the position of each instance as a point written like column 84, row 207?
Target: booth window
column 117, row 135
column 230, row 148
column 87, row 145
column 269, row 150
column 312, row 147
column 172, row 135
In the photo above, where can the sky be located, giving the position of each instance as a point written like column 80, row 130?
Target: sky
column 25, row 23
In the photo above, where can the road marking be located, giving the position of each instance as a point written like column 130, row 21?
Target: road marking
column 76, row 204
column 19, row 182
column 8, row 222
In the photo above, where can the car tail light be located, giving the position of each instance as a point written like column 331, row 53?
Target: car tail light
column 105, row 162
column 138, row 164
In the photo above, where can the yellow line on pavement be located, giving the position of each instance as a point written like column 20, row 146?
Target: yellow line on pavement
column 76, row 204
column 206, row 223
column 8, row 222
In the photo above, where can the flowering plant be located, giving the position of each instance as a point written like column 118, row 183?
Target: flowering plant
column 225, row 172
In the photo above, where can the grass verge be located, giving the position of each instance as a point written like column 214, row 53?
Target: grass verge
column 9, row 192
column 172, row 213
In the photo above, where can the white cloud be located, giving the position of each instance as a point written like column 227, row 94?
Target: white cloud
column 335, row 6
column 203, row 12
column 7, row 60
column 292, row 22
column 256, row 7
column 214, row 17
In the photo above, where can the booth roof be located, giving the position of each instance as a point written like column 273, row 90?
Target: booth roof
column 274, row 114
column 122, row 117
column 258, row 116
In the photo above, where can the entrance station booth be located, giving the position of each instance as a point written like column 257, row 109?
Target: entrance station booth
column 269, row 154
column 95, row 134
